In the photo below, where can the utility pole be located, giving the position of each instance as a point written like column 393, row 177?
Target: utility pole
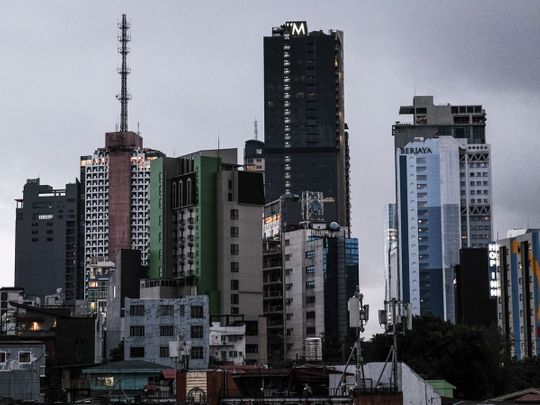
column 358, row 316
column 401, row 320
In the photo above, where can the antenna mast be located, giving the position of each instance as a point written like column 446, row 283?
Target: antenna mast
column 124, row 71
column 255, row 129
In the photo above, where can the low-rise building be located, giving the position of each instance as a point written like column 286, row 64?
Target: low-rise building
column 152, row 326
column 130, row 381
column 22, row 368
column 227, row 343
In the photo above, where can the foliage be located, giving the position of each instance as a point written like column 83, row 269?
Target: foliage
column 468, row 357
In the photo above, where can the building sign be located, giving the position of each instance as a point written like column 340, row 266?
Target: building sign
column 297, row 27
column 271, row 219
column 415, row 151
column 271, row 225
column 493, row 263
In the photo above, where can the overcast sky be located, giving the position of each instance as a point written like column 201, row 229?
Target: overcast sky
column 197, row 70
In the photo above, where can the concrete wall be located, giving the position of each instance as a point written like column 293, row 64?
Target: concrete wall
column 152, row 319
column 414, row 389
column 249, row 276
column 21, row 380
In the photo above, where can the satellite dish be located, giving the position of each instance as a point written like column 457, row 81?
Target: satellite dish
column 334, row 226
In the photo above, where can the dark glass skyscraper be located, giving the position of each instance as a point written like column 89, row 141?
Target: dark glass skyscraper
column 306, row 145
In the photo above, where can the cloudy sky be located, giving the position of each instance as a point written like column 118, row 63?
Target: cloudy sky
column 197, row 70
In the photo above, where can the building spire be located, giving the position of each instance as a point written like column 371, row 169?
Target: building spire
column 123, row 50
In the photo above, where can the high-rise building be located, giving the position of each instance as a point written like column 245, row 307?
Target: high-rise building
column 515, row 285
column 310, row 270
column 321, row 274
column 443, row 192
column 115, row 182
column 205, row 231
column 47, row 253
column 306, row 142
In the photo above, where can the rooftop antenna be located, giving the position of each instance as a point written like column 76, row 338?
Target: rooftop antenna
column 123, row 50
column 255, row 129
column 218, row 152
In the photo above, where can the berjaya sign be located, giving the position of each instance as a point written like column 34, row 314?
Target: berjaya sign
column 297, row 27
column 415, row 151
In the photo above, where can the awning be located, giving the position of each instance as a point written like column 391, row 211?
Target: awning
column 168, row 374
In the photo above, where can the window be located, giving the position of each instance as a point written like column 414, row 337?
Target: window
column 164, row 351
column 188, row 191
column 310, row 253
column 310, row 330
column 252, row 328
column 197, row 352
column 136, row 330
column 235, row 311
column 166, row 330
column 166, row 310
column 252, row 348
column 180, row 193
column 234, row 231
column 235, row 267
column 235, row 284
column 310, row 269
column 234, row 249
column 310, row 299
column 310, row 284
column 2, row 357
column 105, row 381
column 234, row 214
column 310, row 315
column 136, row 310
column 136, row 352
column 234, row 299
column 197, row 332
column 197, row 311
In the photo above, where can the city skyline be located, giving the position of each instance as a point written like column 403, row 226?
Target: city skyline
column 191, row 86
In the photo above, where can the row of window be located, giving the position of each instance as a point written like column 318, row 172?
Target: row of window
column 197, row 352
column 197, row 331
column 23, row 357
column 168, row 310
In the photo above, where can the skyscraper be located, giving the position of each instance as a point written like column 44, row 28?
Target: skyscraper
column 115, row 182
column 306, row 143
column 47, row 255
column 443, row 192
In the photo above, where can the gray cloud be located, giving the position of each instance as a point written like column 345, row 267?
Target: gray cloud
column 197, row 72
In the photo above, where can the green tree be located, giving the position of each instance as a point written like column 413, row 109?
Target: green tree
column 469, row 357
